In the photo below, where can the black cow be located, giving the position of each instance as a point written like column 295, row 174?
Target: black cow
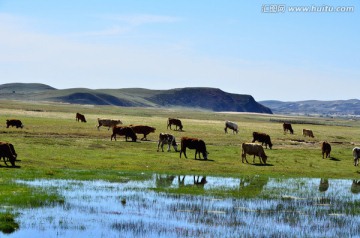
column 262, row 138
column 193, row 143
column 14, row 122
column 124, row 131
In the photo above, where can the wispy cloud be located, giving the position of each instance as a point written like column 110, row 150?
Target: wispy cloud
column 122, row 24
column 141, row 19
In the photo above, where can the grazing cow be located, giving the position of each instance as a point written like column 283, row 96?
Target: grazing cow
column 288, row 127
column 108, row 122
column 7, row 154
column 14, row 122
column 308, row 133
column 176, row 122
column 168, row 139
column 124, row 131
column 326, row 149
column 356, row 154
column 232, row 125
column 193, row 143
column 80, row 117
column 263, row 138
column 11, row 148
column 145, row 130
column 253, row 149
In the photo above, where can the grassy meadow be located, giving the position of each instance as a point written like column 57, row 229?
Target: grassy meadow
column 53, row 144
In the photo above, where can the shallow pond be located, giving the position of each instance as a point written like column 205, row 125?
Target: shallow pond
column 156, row 206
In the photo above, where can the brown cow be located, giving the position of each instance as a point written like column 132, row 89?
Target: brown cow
column 308, row 133
column 263, row 138
column 145, row 130
column 80, row 117
column 176, row 122
column 253, row 149
column 193, row 143
column 288, row 127
column 14, row 122
column 6, row 153
column 168, row 139
column 124, row 131
column 325, row 149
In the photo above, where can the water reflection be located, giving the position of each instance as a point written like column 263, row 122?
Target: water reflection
column 324, row 185
column 252, row 206
column 355, row 186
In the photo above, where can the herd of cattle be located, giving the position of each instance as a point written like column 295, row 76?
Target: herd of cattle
column 7, row 150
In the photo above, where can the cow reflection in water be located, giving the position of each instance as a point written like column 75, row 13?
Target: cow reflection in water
column 355, row 186
column 324, row 185
column 164, row 181
column 197, row 181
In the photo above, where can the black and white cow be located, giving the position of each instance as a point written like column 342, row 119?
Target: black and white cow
column 165, row 138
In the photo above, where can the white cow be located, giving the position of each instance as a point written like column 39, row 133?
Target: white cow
column 232, row 125
column 356, row 154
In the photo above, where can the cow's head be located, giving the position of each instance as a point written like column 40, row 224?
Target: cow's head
column 270, row 145
column 264, row 158
column 205, row 154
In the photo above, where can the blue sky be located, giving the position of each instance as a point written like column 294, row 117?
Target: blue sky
column 237, row 46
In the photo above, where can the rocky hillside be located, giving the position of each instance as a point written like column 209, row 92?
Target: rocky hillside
column 202, row 98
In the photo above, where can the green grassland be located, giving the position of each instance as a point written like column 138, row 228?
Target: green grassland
column 53, row 144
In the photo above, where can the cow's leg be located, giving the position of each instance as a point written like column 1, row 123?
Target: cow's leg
column 169, row 145
column 4, row 160
column 225, row 129
column 183, row 150
column 184, row 153
column 197, row 152
column 113, row 136
column 243, row 156
column 160, row 142
column 260, row 158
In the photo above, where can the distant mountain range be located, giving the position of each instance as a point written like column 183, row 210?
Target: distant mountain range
column 202, row 98
column 313, row 107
